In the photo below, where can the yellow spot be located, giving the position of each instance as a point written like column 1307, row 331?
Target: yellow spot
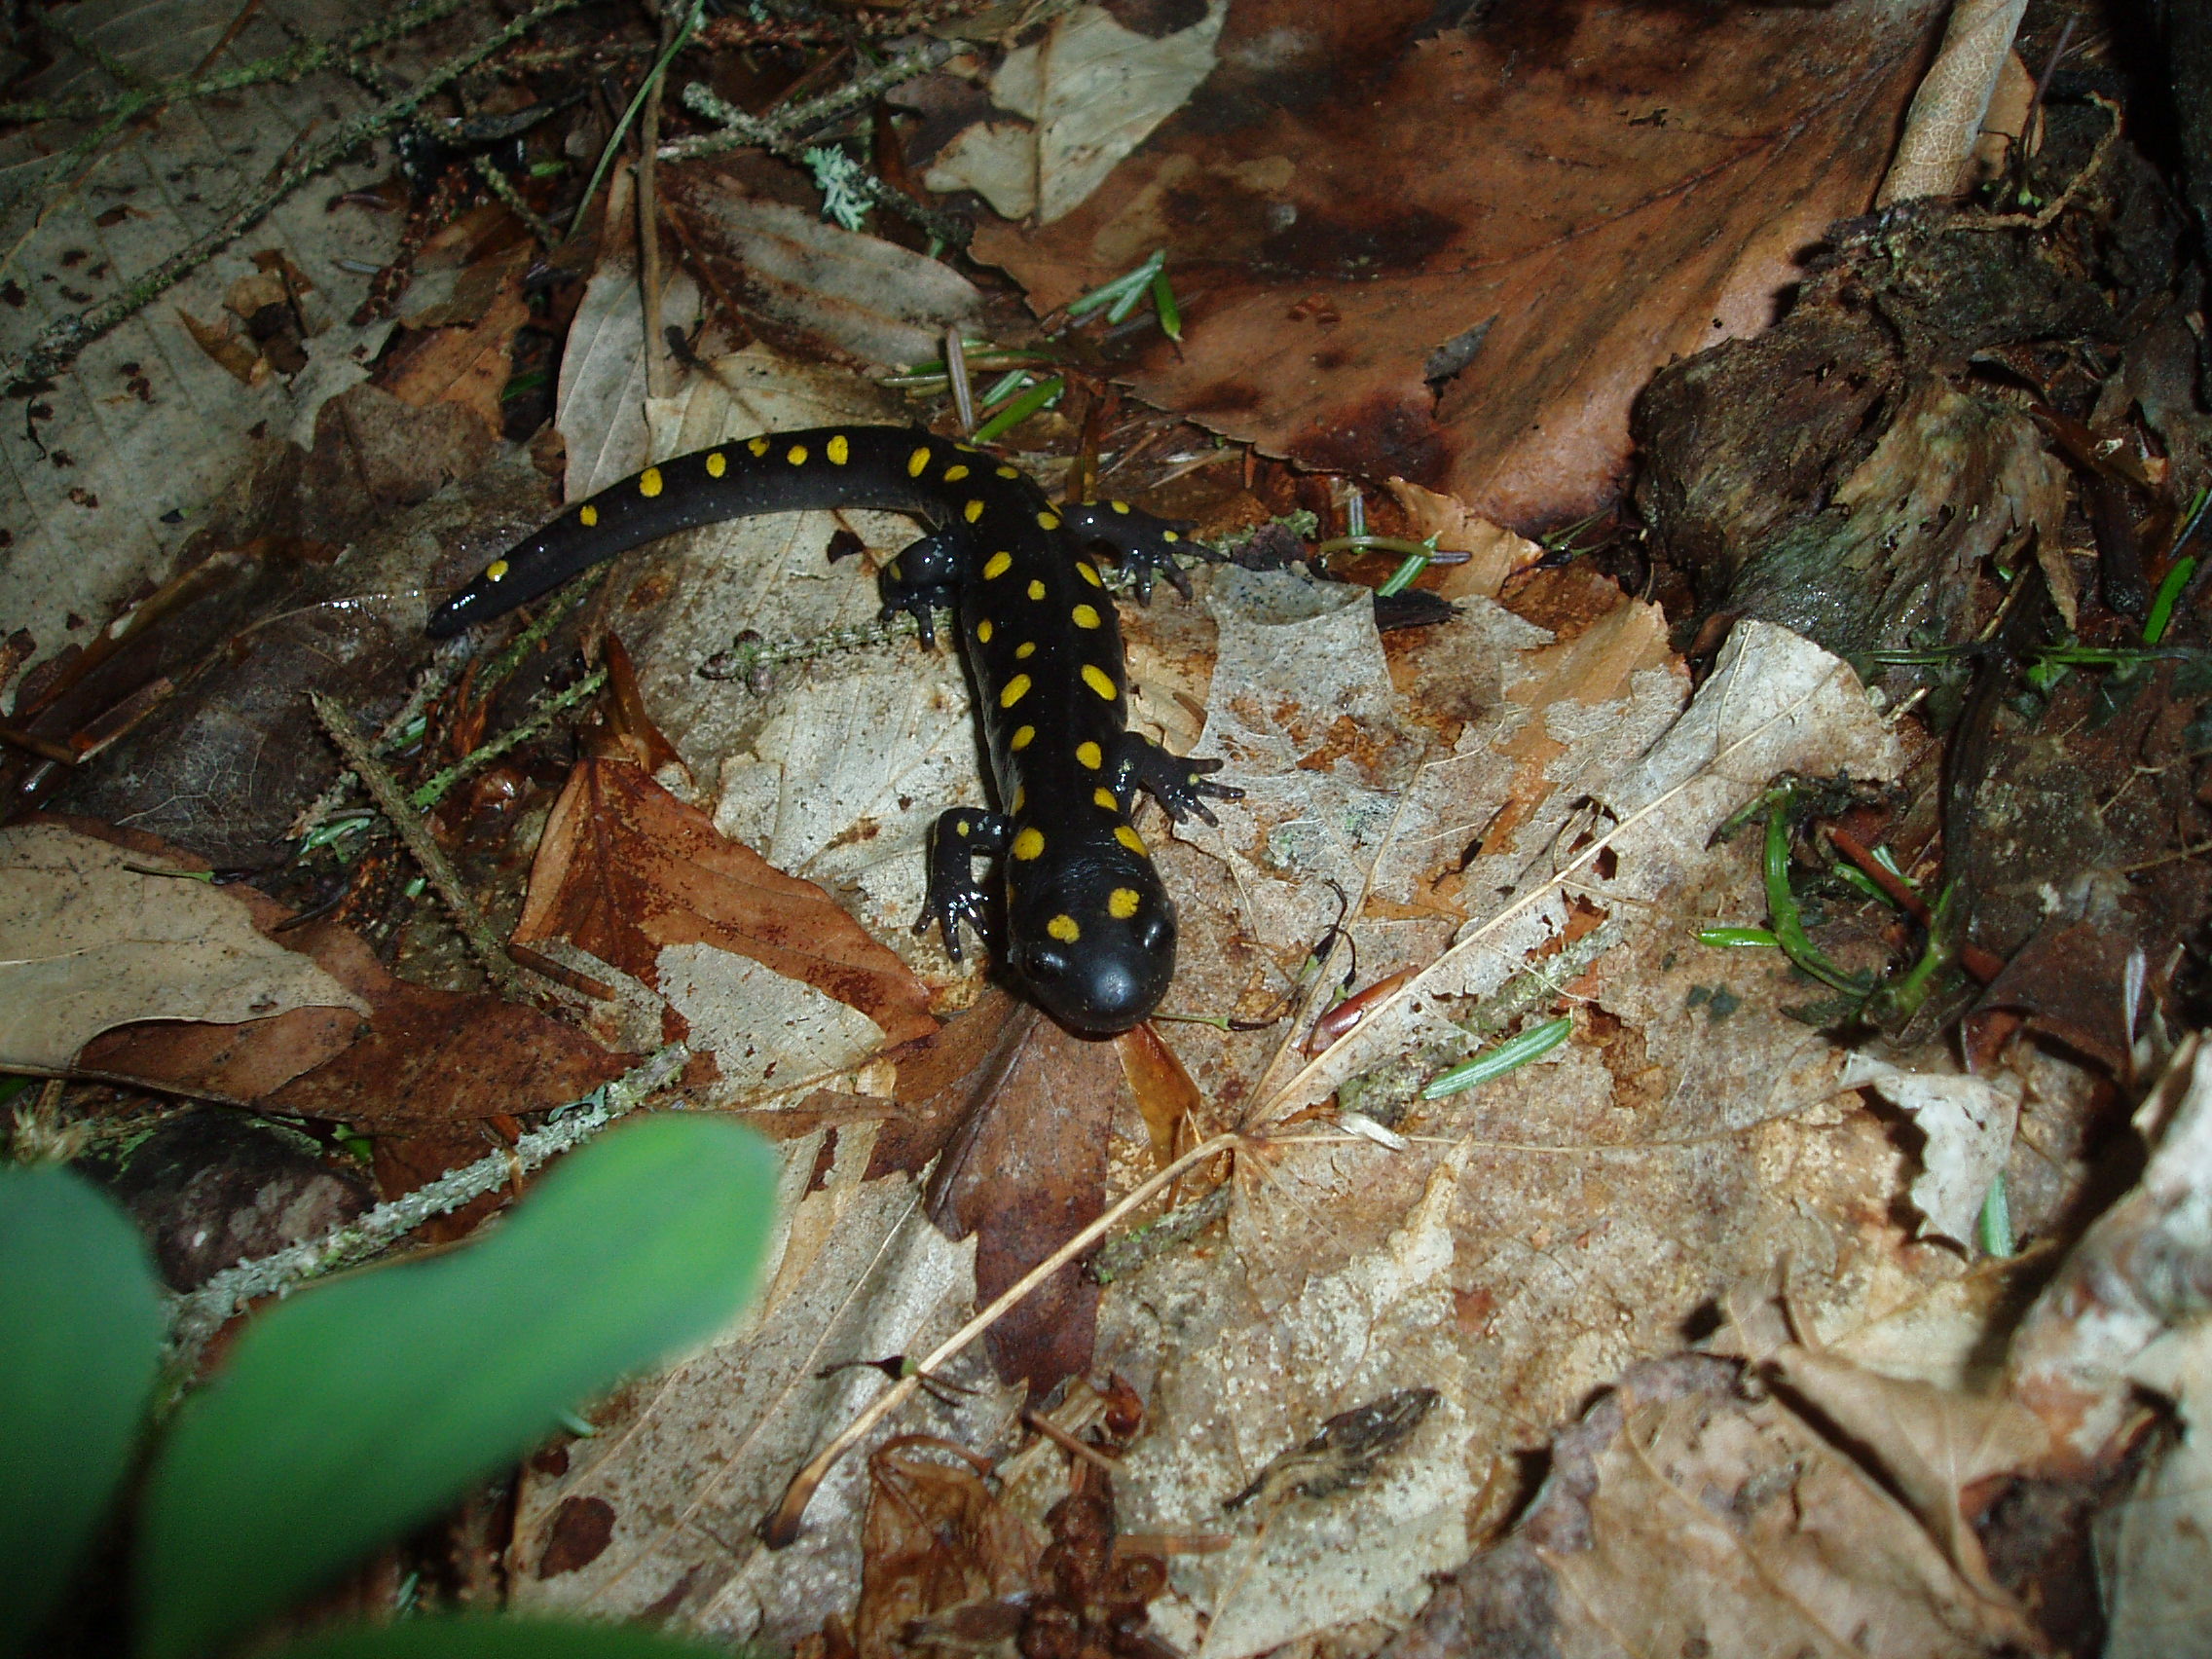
column 718, row 463
column 1047, row 521
column 649, row 481
column 1089, row 754
column 796, row 455
column 1131, row 840
column 917, row 464
column 758, row 447
column 896, row 574
column 1118, row 506
column 1009, row 472
column 1000, row 564
column 1088, row 571
column 838, row 450
column 983, row 631
column 495, row 570
column 1097, row 679
column 973, row 511
column 1121, row 903
column 1025, row 651
column 1085, row 616
column 1023, row 738
column 1021, row 797
column 1036, row 590
column 1063, row 929
column 587, row 515
column 960, row 826
column 1017, row 688
column 1105, row 798
column 1169, row 536
column 1028, row 844
column 955, row 475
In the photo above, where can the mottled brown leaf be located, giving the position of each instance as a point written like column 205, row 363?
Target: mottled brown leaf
column 626, row 869
column 1025, row 1173
column 1456, row 258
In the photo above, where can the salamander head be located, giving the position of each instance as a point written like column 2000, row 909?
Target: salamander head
column 1095, row 948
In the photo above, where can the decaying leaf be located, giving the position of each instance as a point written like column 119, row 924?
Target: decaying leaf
column 1456, row 256
column 1025, row 1173
column 871, row 298
column 657, row 1512
column 465, row 364
column 1969, row 1123
column 1091, row 90
column 89, row 940
column 1681, row 1515
column 2126, row 1282
column 2155, row 1551
column 766, row 971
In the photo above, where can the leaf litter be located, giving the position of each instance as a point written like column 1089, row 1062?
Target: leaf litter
column 1510, row 824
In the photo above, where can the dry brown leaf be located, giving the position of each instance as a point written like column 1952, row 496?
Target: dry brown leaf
column 1461, row 268
column 937, row 1539
column 656, row 1513
column 238, row 354
column 1730, row 1526
column 1091, row 91
column 466, row 365
column 92, row 938
column 643, row 883
column 1026, row 1173
column 2125, row 1283
column 1931, row 1444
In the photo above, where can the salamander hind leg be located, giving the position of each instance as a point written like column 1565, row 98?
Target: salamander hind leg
column 956, row 840
column 1178, row 783
column 1147, row 545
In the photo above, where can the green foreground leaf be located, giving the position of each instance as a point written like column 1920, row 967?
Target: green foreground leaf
column 79, row 1340
column 362, row 1408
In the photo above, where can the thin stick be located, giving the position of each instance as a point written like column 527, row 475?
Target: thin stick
column 781, row 1528
column 384, row 789
column 61, row 345
column 293, row 65
column 649, row 216
column 194, row 1318
column 773, row 134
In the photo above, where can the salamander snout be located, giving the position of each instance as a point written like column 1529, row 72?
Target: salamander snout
column 1104, row 982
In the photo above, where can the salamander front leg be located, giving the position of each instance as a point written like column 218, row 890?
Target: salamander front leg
column 1178, row 783
column 1148, row 545
column 922, row 578
column 956, row 840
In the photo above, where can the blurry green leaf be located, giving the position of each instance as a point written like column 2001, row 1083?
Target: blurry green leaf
column 362, row 1408
column 80, row 1339
column 499, row 1639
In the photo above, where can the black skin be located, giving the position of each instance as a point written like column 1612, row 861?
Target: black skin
column 1089, row 930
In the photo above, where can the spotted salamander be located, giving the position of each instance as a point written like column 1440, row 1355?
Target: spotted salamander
column 1089, row 930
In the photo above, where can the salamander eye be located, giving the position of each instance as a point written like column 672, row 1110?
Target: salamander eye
column 1157, row 934
column 1043, row 962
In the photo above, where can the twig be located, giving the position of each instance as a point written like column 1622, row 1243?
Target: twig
column 649, row 205
column 773, row 133
column 429, row 686
column 434, row 789
column 781, row 1528
column 384, row 789
column 496, row 180
column 288, row 66
column 61, row 345
column 194, row 1318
